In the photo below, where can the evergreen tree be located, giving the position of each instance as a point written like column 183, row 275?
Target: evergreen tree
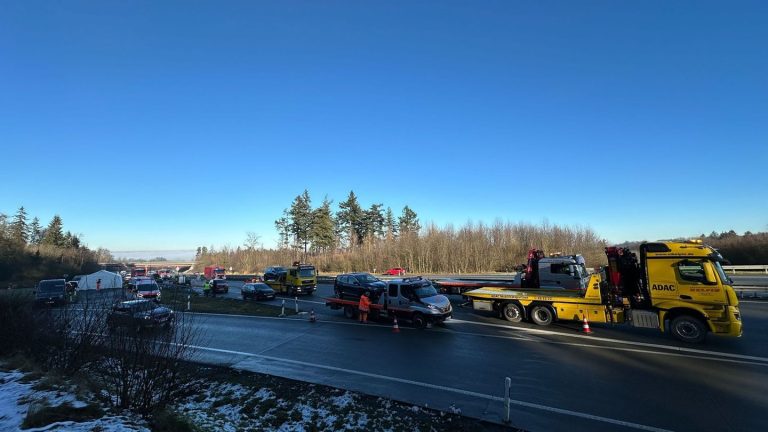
column 35, row 231
column 322, row 233
column 19, row 229
column 54, row 235
column 391, row 225
column 374, row 221
column 409, row 222
column 300, row 215
column 283, row 232
column 349, row 220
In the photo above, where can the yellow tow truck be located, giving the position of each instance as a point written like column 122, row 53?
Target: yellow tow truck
column 675, row 286
column 300, row 278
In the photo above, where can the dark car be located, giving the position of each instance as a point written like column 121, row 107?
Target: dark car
column 274, row 273
column 219, row 286
column 51, row 292
column 355, row 284
column 138, row 315
column 257, row 291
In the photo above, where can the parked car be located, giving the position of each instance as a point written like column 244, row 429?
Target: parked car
column 145, row 288
column 274, row 272
column 219, row 286
column 138, row 315
column 257, row 291
column 355, row 284
column 51, row 292
column 395, row 271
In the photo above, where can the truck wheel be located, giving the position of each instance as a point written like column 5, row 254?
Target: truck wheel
column 512, row 312
column 688, row 329
column 349, row 312
column 542, row 315
column 419, row 321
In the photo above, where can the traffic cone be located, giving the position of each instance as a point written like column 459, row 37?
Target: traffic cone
column 395, row 328
column 585, row 326
column 312, row 317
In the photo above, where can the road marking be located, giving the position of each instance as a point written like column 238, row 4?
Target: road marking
column 618, row 341
column 439, row 387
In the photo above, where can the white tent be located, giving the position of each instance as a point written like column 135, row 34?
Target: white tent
column 108, row 280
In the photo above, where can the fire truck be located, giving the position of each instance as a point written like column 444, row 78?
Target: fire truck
column 679, row 287
column 214, row 272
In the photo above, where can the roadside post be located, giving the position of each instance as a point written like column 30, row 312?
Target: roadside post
column 296, row 303
column 188, row 300
column 282, row 311
column 507, row 388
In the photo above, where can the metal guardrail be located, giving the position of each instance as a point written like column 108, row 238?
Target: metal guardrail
column 746, row 268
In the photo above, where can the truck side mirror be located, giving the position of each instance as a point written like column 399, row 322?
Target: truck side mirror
column 709, row 274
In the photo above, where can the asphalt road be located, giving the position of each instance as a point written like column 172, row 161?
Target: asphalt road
column 617, row 379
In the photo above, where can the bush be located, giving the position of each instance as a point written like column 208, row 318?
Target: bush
column 42, row 415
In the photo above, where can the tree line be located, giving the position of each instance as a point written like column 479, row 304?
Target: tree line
column 372, row 239
column 30, row 251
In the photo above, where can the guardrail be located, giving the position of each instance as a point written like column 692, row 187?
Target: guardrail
column 746, row 268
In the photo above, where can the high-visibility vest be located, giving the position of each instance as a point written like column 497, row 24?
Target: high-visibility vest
column 364, row 303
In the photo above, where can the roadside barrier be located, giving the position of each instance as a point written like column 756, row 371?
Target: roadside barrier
column 586, row 328
column 395, row 327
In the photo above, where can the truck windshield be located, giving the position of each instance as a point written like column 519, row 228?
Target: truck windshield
column 425, row 291
column 307, row 272
column 721, row 272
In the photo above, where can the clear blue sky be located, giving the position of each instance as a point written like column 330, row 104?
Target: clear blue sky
column 167, row 125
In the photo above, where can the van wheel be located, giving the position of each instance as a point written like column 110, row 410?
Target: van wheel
column 349, row 312
column 542, row 315
column 688, row 329
column 512, row 312
column 419, row 321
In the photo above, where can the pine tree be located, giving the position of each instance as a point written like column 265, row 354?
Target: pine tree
column 349, row 220
column 300, row 216
column 391, row 225
column 284, row 234
column 374, row 221
column 322, row 233
column 35, row 231
column 19, row 229
column 409, row 222
column 54, row 235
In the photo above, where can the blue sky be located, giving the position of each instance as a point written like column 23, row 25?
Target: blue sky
column 166, row 125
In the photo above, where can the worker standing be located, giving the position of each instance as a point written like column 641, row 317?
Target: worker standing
column 98, row 284
column 364, row 306
column 206, row 289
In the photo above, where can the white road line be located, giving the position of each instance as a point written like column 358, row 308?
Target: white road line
column 617, row 341
column 442, row 388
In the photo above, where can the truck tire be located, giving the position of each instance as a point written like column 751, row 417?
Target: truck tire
column 512, row 312
column 350, row 312
column 688, row 328
column 418, row 320
column 542, row 315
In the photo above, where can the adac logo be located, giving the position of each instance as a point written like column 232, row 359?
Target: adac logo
column 663, row 287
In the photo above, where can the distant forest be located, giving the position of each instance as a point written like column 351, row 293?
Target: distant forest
column 30, row 252
column 747, row 249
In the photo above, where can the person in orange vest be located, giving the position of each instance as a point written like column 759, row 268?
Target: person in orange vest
column 364, row 306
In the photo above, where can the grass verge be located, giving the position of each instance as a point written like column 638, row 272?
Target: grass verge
column 176, row 298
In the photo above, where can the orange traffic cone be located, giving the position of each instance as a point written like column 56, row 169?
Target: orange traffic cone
column 585, row 326
column 395, row 328
column 312, row 317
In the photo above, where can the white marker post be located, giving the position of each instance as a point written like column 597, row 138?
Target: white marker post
column 507, row 387
column 282, row 312
column 296, row 303
column 188, row 299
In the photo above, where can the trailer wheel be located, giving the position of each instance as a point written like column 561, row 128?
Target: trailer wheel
column 512, row 312
column 688, row 329
column 418, row 320
column 349, row 312
column 542, row 315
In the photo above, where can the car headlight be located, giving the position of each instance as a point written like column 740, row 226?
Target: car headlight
column 146, row 317
column 433, row 307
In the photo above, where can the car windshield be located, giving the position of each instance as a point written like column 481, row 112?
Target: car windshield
column 366, row 278
column 721, row 272
column 307, row 272
column 262, row 287
column 425, row 291
column 147, row 287
column 51, row 286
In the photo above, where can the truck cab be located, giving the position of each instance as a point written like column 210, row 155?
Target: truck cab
column 416, row 299
column 560, row 272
